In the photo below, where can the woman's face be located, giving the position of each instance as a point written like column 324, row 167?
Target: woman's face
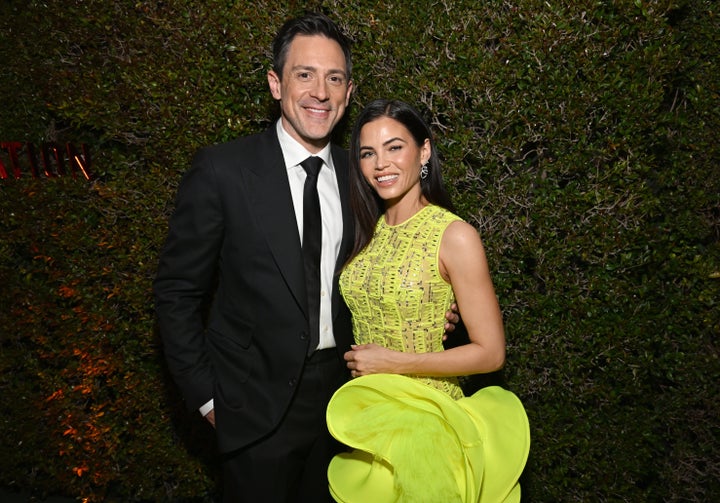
column 390, row 159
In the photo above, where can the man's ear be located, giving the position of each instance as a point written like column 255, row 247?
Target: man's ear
column 350, row 89
column 274, row 84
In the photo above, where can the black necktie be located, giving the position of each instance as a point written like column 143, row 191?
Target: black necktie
column 312, row 245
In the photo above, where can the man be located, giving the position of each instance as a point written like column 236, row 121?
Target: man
column 256, row 364
column 235, row 241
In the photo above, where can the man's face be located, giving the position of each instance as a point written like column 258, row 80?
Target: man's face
column 314, row 90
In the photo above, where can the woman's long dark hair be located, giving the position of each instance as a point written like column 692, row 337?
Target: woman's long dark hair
column 366, row 205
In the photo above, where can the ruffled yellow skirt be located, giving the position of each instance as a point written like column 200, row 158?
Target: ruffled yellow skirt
column 413, row 443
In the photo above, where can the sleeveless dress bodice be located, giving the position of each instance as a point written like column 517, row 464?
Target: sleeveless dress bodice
column 395, row 292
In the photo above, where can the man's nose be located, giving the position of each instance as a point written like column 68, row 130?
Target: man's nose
column 320, row 89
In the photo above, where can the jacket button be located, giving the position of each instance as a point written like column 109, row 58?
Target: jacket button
column 303, row 336
column 292, row 382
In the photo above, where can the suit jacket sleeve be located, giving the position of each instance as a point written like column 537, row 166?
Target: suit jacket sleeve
column 185, row 280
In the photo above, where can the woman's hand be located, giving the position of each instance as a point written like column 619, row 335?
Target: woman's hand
column 364, row 359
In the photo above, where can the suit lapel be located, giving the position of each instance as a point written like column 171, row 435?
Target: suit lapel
column 340, row 161
column 341, row 172
column 269, row 190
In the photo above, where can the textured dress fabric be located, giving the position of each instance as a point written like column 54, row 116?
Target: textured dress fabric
column 417, row 438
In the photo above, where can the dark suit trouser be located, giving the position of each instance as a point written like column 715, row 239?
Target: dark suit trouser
column 290, row 465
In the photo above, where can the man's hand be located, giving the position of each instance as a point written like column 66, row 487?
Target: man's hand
column 452, row 316
column 210, row 416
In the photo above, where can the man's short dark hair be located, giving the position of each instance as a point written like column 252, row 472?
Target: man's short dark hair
column 310, row 24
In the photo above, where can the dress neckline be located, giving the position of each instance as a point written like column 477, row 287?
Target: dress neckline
column 384, row 223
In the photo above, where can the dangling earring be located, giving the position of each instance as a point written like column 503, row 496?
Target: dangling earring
column 424, row 171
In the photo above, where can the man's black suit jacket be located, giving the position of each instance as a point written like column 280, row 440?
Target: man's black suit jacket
column 230, row 288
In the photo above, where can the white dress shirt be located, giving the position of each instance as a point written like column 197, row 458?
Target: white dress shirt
column 331, row 213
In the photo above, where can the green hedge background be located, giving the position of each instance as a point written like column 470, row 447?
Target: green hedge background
column 579, row 137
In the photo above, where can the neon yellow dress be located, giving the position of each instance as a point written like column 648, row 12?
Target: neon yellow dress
column 417, row 439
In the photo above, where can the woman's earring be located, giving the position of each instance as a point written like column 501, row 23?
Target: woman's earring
column 424, row 171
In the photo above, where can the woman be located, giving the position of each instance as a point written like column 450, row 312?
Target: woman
column 415, row 436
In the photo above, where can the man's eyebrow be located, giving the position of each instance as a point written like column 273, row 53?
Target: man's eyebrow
column 308, row 68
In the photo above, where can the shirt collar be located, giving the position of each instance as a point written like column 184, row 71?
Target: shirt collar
column 294, row 153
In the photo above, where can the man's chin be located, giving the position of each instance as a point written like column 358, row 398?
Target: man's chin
column 319, row 137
